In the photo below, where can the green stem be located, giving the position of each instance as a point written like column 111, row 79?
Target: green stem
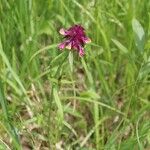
column 54, row 85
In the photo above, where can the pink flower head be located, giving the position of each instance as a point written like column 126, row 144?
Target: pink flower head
column 75, row 38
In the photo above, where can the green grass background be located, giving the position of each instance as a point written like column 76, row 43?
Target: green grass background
column 52, row 99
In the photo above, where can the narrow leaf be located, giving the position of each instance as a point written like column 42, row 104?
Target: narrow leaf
column 139, row 34
column 59, row 105
column 120, row 46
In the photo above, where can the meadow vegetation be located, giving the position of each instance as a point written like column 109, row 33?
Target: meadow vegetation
column 52, row 99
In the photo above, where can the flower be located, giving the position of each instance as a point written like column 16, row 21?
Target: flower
column 75, row 38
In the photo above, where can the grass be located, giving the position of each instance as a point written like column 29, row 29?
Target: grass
column 51, row 99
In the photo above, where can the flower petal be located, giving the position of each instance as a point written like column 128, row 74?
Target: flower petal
column 62, row 45
column 81, row 51
column 62, row 31
column 69, row 45
column 87, row 40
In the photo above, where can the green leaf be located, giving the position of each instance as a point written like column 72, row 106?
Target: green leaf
column 59, row 105
column 120, row 46
column 71, row 61
column 90, row 94
column 145, row 70
column 139, row 34
column 7, row 123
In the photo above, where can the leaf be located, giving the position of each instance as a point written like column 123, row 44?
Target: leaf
column 145, row 70
column 139, row 34
column 42, row 50
column 58, row 59
column 90, row 94
column 88, row 73
column 6, row 61
column 120, row 46
column 72, row 112
column 71, row 61
column 7, row 123
column 45, row 28
column 70, row 127
column 59, row 105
